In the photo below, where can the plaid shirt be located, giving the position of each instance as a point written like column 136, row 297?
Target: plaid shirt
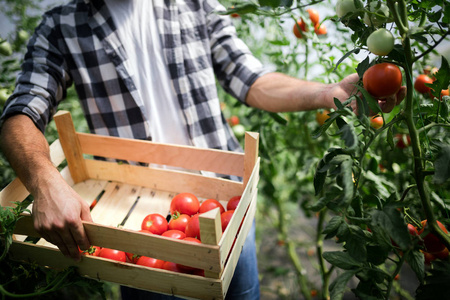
column 77, row 43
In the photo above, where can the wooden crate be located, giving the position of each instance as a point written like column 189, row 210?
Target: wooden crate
column 129, row 192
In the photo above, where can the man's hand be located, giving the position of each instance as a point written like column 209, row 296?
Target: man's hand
column 58, row 210
column 346, row 88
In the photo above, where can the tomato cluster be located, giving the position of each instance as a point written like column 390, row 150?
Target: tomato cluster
column 300, row 26
column 185, row 209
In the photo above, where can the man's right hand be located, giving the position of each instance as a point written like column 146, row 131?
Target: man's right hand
column 58, row 210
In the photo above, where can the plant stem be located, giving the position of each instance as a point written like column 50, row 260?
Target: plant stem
column 291, row 251
column 319, row 248
column 408, row 113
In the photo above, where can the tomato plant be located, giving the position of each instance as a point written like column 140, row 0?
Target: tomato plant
column 431, row 242
column 210, row 204
column 184, row 203
column 155, row 223
column 299, row 27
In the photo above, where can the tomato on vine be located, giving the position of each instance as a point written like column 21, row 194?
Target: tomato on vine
column 431, row 242
column 376, row 122
column 419, row 84
column 299, row 27
column 380, row 42
column 382, row 80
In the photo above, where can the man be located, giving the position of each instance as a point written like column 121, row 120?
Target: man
column 144, row 70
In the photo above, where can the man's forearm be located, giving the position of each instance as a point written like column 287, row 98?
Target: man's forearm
column 277, row 92
column 27, row 150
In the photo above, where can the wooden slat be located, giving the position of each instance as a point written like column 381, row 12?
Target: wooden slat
column 190, row 158
column 211, row 232
column 71, row 146
column 113, row 206
column 157, row 280
column 164, row 180
column 235, row 221
column 232, row 261
column 195, row 255
column 251, row 154
column 90, row 189
column 150, row 201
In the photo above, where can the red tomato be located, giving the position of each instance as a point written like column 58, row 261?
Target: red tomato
column 184, row 203
column 193, row 227
column 300, row 25
column 376, row 122
column 155, row 223
column 320, row 29
column 179, row 222
column 132, row 258
column 150, row 262
column 233, row 202
column 193, row 240
column 171, row 266
column 92, row 251
column 402, row 140
column 225, row 218
column 428, row 257
column 313, row 15
column 431, row 242
column 443, row 255
column 234, row 120
column 210, row 204
column 419, row 84
column 174, row 234
column 113, row 254
column 382, row 80
column 412, row 230
column 93, row 204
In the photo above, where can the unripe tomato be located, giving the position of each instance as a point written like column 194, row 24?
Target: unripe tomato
column 322, row 116
column 239, row 130
column 5, row 48
column 419, row 84
column 380, row 42
column 22, row 36
column 343, row 7
column 382, row 80
column 3, row 96
column 313, row 15
column 431, row 242
column 379, row 14
column 376, row 122
column 300, row 25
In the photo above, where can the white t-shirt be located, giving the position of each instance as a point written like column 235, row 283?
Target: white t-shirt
column 138, row 32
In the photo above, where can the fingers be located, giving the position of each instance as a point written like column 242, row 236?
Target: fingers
column 388, row 104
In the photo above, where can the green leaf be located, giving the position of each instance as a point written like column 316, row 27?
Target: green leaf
column 269, row 3
column 416, row 261
column 442, row 78
column 339, row 285
column 342, row 260
column 240, row 9
column 390, row 220
column 349, row 136
column 356, row 50
column 442, row 163
column 373, row 103
column 355, row 243
column 333, row 225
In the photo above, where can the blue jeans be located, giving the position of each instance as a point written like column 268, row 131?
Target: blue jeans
column 244, row 284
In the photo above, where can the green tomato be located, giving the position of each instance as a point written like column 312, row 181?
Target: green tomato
column 3, row 96
column 22, row 36
column 344, row 7
column 380, row 42
column 5, row 48
column 378, row 14
column 238, row 130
